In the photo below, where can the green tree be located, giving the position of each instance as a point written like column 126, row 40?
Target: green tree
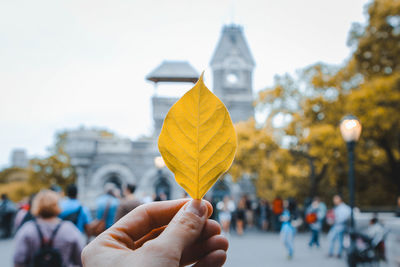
column 54, row 169
column 41, row 173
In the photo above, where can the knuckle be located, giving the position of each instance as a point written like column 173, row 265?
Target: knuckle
column 161, row 249
column 189, row 223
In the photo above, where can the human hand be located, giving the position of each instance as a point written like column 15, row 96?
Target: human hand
column 160, row 234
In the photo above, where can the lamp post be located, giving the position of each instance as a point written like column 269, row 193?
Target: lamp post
column 350, row 128
column 161, row 185
column 159, row 162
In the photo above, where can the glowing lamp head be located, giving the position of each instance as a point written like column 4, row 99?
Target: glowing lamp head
column 350, row 127
column 159, row 162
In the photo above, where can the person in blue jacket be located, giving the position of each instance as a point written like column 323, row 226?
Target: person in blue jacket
column 288, row 231
column 73, row 210
column 107, row 205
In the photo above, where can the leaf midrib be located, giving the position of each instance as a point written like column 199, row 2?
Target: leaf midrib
column 198, row 142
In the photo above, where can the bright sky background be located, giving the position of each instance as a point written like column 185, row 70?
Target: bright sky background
column 69, row 63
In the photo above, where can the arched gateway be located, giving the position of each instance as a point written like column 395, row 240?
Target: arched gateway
column 117, row 174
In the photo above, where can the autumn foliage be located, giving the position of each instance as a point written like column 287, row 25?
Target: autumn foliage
column 303, row 155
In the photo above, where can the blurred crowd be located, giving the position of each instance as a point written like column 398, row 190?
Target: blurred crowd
column 51, row 228
column 285, row 216
column 53, row 225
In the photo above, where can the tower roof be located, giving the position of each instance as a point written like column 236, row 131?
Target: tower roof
column 232, row 41
column 173, row 71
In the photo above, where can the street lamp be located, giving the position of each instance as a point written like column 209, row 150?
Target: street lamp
column 161, row 185
column 159, row 162
column 350, row 128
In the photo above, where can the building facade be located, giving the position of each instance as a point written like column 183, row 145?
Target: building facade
column 19, row 158
column 101, row 158
column 232, row 65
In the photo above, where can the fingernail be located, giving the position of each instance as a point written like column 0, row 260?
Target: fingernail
column 197, row 206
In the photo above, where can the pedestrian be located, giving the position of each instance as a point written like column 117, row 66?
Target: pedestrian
column 225, row 209
column 128, row 203
column 161, row 197
column 249, row 212
column 214, row 202
column 293, row 209
column 56, row 188
column 240, row 216
column 315, row 215
column 24, row 214
column 336, row 233
column 397, row 211
column 263, row 214
column 188, row 238
column 107, row 205
column 72, row 210
column 288, row 231
column 277, row 210
column 47, row 239
column 7, row 213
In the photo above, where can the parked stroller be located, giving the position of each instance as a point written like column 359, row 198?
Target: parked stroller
column 369, row 247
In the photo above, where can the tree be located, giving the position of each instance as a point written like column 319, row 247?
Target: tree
column 41, row 173
column 259, row 156
column 377, row 50
column 377, row 101
column 310, row 105
column 54, row 169
column 13, row 182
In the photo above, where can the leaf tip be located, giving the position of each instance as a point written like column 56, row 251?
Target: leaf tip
column 201, row 76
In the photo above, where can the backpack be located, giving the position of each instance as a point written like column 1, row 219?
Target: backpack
column 277, row 206
column 46, row 255
column 330, row 217
column 73, row 217
column 311, row 218
column 98, row 226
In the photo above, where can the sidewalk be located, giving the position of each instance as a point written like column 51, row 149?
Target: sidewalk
column 257, row 249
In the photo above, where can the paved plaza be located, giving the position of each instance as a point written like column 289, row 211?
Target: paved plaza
column 254, row 249
column 257, row 249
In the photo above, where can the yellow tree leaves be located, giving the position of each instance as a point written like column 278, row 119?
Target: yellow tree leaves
column 259, row 156
column 198, row 140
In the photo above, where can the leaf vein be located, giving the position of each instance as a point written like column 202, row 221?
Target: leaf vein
column 212, row 137
column 215, row 152
column 167, row 151
column 179, row 145
column 219, row 163
column 205, row 121
column 182, row 131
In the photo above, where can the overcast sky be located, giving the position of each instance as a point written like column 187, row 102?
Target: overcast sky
column 69, row 63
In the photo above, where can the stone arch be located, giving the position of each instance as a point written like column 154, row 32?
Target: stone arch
column 113, row 171
column 152, row 177
column 224, row 186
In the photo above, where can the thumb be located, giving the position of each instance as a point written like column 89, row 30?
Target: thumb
column 186, row 226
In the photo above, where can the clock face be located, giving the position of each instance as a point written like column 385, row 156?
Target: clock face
column 232, row 78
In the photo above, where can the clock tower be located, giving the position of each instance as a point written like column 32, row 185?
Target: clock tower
column 232, row 65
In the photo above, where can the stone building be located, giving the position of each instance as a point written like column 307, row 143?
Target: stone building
column 19, row 158
column 100, row 158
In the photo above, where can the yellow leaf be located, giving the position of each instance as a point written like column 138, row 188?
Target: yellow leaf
column 198, row 140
